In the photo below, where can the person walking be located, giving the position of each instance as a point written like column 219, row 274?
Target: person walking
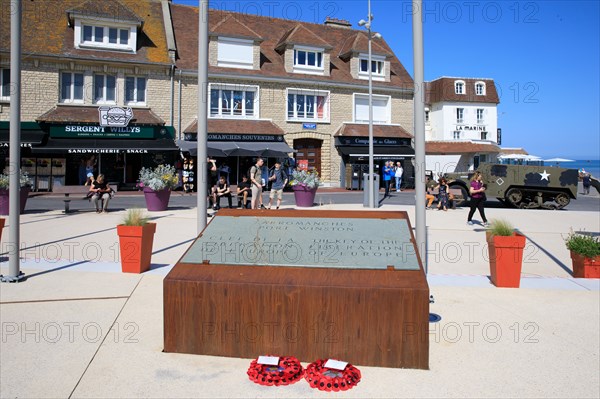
column 587, row 182
column 398, row 172
column 256, row 180
column 477, row 193
column 279, row 179
column 388, row 172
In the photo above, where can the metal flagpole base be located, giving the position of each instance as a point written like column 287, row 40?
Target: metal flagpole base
column 13, row 279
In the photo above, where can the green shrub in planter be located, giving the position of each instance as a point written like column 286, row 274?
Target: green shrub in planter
column 583, row 244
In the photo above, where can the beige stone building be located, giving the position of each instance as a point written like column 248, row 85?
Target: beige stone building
column 304, row 84
column 278, row 88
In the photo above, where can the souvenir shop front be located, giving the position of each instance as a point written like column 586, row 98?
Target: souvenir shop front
column 235, row 145
column 117, row 152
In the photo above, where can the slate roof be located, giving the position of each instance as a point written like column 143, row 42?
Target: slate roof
column 442, row 89
column 46, row 30
column 274, row 32
column 237, row 126
column 459, row 147
column 82, row 114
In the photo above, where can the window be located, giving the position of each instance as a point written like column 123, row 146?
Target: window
column 483, row 135
column 104, row 89
column 377, row 67
column 381, row 109
column 480, row 88
column 5, row 84
column 307, row 105
column 479, row 116
column 459, row 115
column 307, row 60
column 459, row 87
column 235, row 53
column 71, row 87
column 90, row 35
column 135, row 90
column 456, row 135
column 233, row 101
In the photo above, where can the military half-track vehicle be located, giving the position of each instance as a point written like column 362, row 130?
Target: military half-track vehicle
column 522, row 186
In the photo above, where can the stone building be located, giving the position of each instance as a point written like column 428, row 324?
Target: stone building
column 278, row 88
column 300, row 83
column 461, row 123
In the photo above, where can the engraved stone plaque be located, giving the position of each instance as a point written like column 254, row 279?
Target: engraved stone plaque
column 305, row 242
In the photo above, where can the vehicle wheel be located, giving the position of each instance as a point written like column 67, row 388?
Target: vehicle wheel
column 562, row 200
column 514, row 196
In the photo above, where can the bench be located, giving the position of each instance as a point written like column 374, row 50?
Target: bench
column 457, row 192
column 75, row 190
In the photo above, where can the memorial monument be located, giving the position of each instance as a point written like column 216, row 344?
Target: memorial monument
column 309, row 284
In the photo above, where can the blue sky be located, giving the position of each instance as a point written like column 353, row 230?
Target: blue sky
column 543, row 55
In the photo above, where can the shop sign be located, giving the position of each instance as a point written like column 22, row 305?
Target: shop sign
column 105, row 151
column 114, row 116
column 103, row 132
column 364, row 141
column 243, row 137
column 470, row 128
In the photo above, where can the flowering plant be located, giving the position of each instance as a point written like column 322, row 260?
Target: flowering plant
column 305, row 178
column 24, row 180
column 160, row 178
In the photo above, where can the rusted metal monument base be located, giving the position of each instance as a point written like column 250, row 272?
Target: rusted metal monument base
column 306, row 297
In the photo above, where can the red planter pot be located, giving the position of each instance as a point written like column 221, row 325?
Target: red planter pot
column 506, row 259
column 157, row 200
column 4, row 200
column 136, row 247
column 305, row 197
column 585, row 267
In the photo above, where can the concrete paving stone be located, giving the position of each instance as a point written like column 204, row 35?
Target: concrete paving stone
column 46, row 346
column 62, row 284
column 484, row 346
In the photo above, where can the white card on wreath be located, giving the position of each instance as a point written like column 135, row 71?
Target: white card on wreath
column 335, row 364
column 268, row 360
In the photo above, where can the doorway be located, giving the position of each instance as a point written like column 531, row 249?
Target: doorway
column 309, row 150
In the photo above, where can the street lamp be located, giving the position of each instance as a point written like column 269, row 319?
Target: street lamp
column 367, row 25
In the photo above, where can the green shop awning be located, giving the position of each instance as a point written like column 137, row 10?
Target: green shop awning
column 31, row 133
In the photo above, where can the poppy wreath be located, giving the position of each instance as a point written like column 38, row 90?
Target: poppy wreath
column 288, row 371
column 324, row 379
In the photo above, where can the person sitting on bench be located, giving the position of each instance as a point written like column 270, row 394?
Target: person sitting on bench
column 221, row 190
column 244, row 191
column 100, row 191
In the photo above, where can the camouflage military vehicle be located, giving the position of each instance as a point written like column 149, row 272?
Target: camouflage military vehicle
column 522, row 186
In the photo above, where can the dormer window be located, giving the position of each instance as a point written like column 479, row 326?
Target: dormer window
column 377, row 67
column 459, row 87
column 308, row 60
column 92, row 35
column 235, row 53
column 480, row 88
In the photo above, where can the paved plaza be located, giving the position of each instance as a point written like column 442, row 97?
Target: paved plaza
column 78, row 327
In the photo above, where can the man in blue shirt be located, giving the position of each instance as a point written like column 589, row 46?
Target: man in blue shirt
column 279, row 179
column 388, row 173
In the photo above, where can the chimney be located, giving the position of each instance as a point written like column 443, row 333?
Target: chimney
column 338, row 23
